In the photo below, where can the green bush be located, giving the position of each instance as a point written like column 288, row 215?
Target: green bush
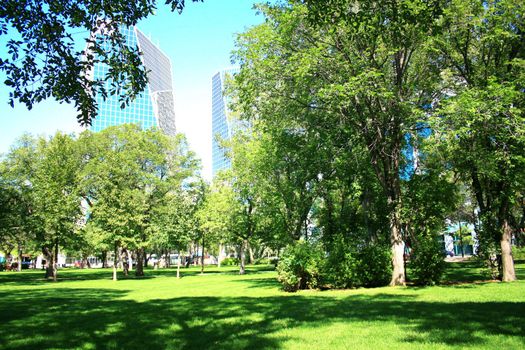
column 357, row 265
column 341, row 268
column 427, row 263
column 230, row 262
column 375, row 265
column 518, row 253
column 299, row 266
column 261, row 261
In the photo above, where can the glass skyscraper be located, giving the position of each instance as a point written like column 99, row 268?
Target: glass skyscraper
column 155, row 106
column 220, row 124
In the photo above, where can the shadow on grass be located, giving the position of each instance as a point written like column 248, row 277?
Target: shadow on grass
column 36, row 277
column 100, row 319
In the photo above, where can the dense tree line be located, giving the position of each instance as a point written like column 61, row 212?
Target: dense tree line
column 364, row 130
column 122, row 190
column 368, row 119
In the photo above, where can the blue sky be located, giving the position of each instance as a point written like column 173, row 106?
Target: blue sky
column 199, row 43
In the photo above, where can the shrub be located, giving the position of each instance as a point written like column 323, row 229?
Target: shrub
column 274, row 261
column 230, row 262
column 266, row 261
column 357, row 265
column 261, row 261
column 299, row 266
column 518, row 253
column 375, row 265
column 341, row 267
column 427, row 263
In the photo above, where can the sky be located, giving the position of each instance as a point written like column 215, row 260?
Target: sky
column 199, row 43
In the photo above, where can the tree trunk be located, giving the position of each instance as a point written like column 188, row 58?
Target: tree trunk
column 461, row 239
column 196, row 254
column 19, row 267
column 242, row 269
column 125, row 261
column 397, row 246
column 115, row 262
column 178, row 264
column 129, row 258
column 139, row 271
column 506, row 254
column 202, row 256
column 168, row 259
column 219, row 256
column 48, row 253
column 55, row 262
column 104, row 259
column 250, row 250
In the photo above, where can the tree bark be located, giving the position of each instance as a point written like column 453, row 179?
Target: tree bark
column 48, row 253
column 104, row 259
column 178, row 264
column 242, row 269
column 397, row 246
column 507, row 261
column 219, row 256
column 125, row 261
column 55, row 262
column 19, row 267
column 202, row 256
column 115, row 262
column 252, row 259
column 139, row 271
column 461, row 240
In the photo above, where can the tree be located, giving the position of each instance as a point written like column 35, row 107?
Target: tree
column 19, row 224
column 42, row 59
column 362, row 64
column 129, row 175
column 480, row 122
column 55, row 183
column 215, row 214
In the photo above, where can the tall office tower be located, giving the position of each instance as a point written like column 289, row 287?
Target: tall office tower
column 220, row 125
column 155, row 106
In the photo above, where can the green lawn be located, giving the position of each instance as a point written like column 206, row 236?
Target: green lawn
column 222, row 310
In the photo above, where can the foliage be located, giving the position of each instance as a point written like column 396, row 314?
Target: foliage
column 427, row 263
column 230, row 262
column 355, row 265
column 341, row 266
column 300, row 266
column 42, row 59
column 519, row 254
column 375, row 265
column 139, row 184
column 480, row 124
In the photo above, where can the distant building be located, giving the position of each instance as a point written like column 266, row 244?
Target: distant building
column 220, row 124
column 155, row 106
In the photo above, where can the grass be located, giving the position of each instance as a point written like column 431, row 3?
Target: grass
column 222, row 310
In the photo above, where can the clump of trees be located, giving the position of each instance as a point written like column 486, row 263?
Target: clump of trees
column 370, row 118
column 122, row 190
column 363, row 130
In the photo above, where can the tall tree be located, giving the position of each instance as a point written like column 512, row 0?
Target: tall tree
column 359, row 62
column 481, row 121
column 128, row 178
column 55, row 184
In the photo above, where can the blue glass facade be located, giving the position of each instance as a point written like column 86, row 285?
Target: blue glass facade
column 154, row 107
column 220, row 124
